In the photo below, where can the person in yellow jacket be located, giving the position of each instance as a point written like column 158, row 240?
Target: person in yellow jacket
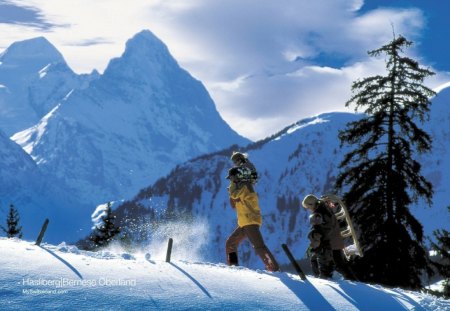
column 245, row 201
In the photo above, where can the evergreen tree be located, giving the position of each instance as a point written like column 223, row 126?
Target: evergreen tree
column 443, row 249
column 105, row 230
column 12, row 224
column 380, row 177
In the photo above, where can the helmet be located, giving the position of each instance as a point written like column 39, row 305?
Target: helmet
column 238, row 157
column 315, row 219
column 310, row 202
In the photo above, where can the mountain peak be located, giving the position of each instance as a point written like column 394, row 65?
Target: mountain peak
column 153, row 113
column 146, row 42
column 146, row 54
column 38, row 51
column 146, row 34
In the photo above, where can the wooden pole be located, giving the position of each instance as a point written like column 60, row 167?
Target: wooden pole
column 41, row 234
column 294, row 262
column 169, row 250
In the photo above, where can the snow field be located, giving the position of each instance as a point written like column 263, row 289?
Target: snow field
column 65, row 278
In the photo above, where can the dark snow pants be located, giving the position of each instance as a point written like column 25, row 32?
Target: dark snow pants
column 322, row 262
column 339, row 265
column 254, row 236
column 342, row 266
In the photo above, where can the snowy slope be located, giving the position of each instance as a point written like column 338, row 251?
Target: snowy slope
column 65, row 278
column 129, row 127
column 21, row 185
column 17, row 168
column 436, row 166
column 299, row 160
column 19, row 179
column 36, row 197
column 34, row 78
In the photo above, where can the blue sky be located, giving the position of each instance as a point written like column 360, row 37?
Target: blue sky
column 266, row 64
column 434, row 39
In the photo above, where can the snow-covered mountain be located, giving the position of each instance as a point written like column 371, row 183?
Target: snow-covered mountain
column 301, row 159
column 436, row 166
column 18, row 171
column 129, row 127
column 34, row 78
column 63, row 277
column 35, row 196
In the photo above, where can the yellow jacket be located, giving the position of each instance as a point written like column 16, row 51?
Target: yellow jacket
column 246, row 204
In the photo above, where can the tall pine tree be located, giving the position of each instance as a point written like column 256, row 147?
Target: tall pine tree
column 380, row 176
column 12, row 224
column 105, row 230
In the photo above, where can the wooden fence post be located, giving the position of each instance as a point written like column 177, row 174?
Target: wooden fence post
column 41, row 234
column 169, row 250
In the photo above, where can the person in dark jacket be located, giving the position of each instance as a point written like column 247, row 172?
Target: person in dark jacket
column 326, row 242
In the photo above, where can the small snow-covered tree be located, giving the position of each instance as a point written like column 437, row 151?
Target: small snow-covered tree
column 442, row 247
column 105, row 230
column 12, row 224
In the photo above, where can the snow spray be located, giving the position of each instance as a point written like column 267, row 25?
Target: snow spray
column 189, row 240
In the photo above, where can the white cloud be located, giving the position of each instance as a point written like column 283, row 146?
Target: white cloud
column 262, row 61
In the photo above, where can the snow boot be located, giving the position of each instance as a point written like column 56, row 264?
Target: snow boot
column 232, row 259
column 268, row 259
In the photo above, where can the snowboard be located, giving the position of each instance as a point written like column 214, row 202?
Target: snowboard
column 352, row 245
